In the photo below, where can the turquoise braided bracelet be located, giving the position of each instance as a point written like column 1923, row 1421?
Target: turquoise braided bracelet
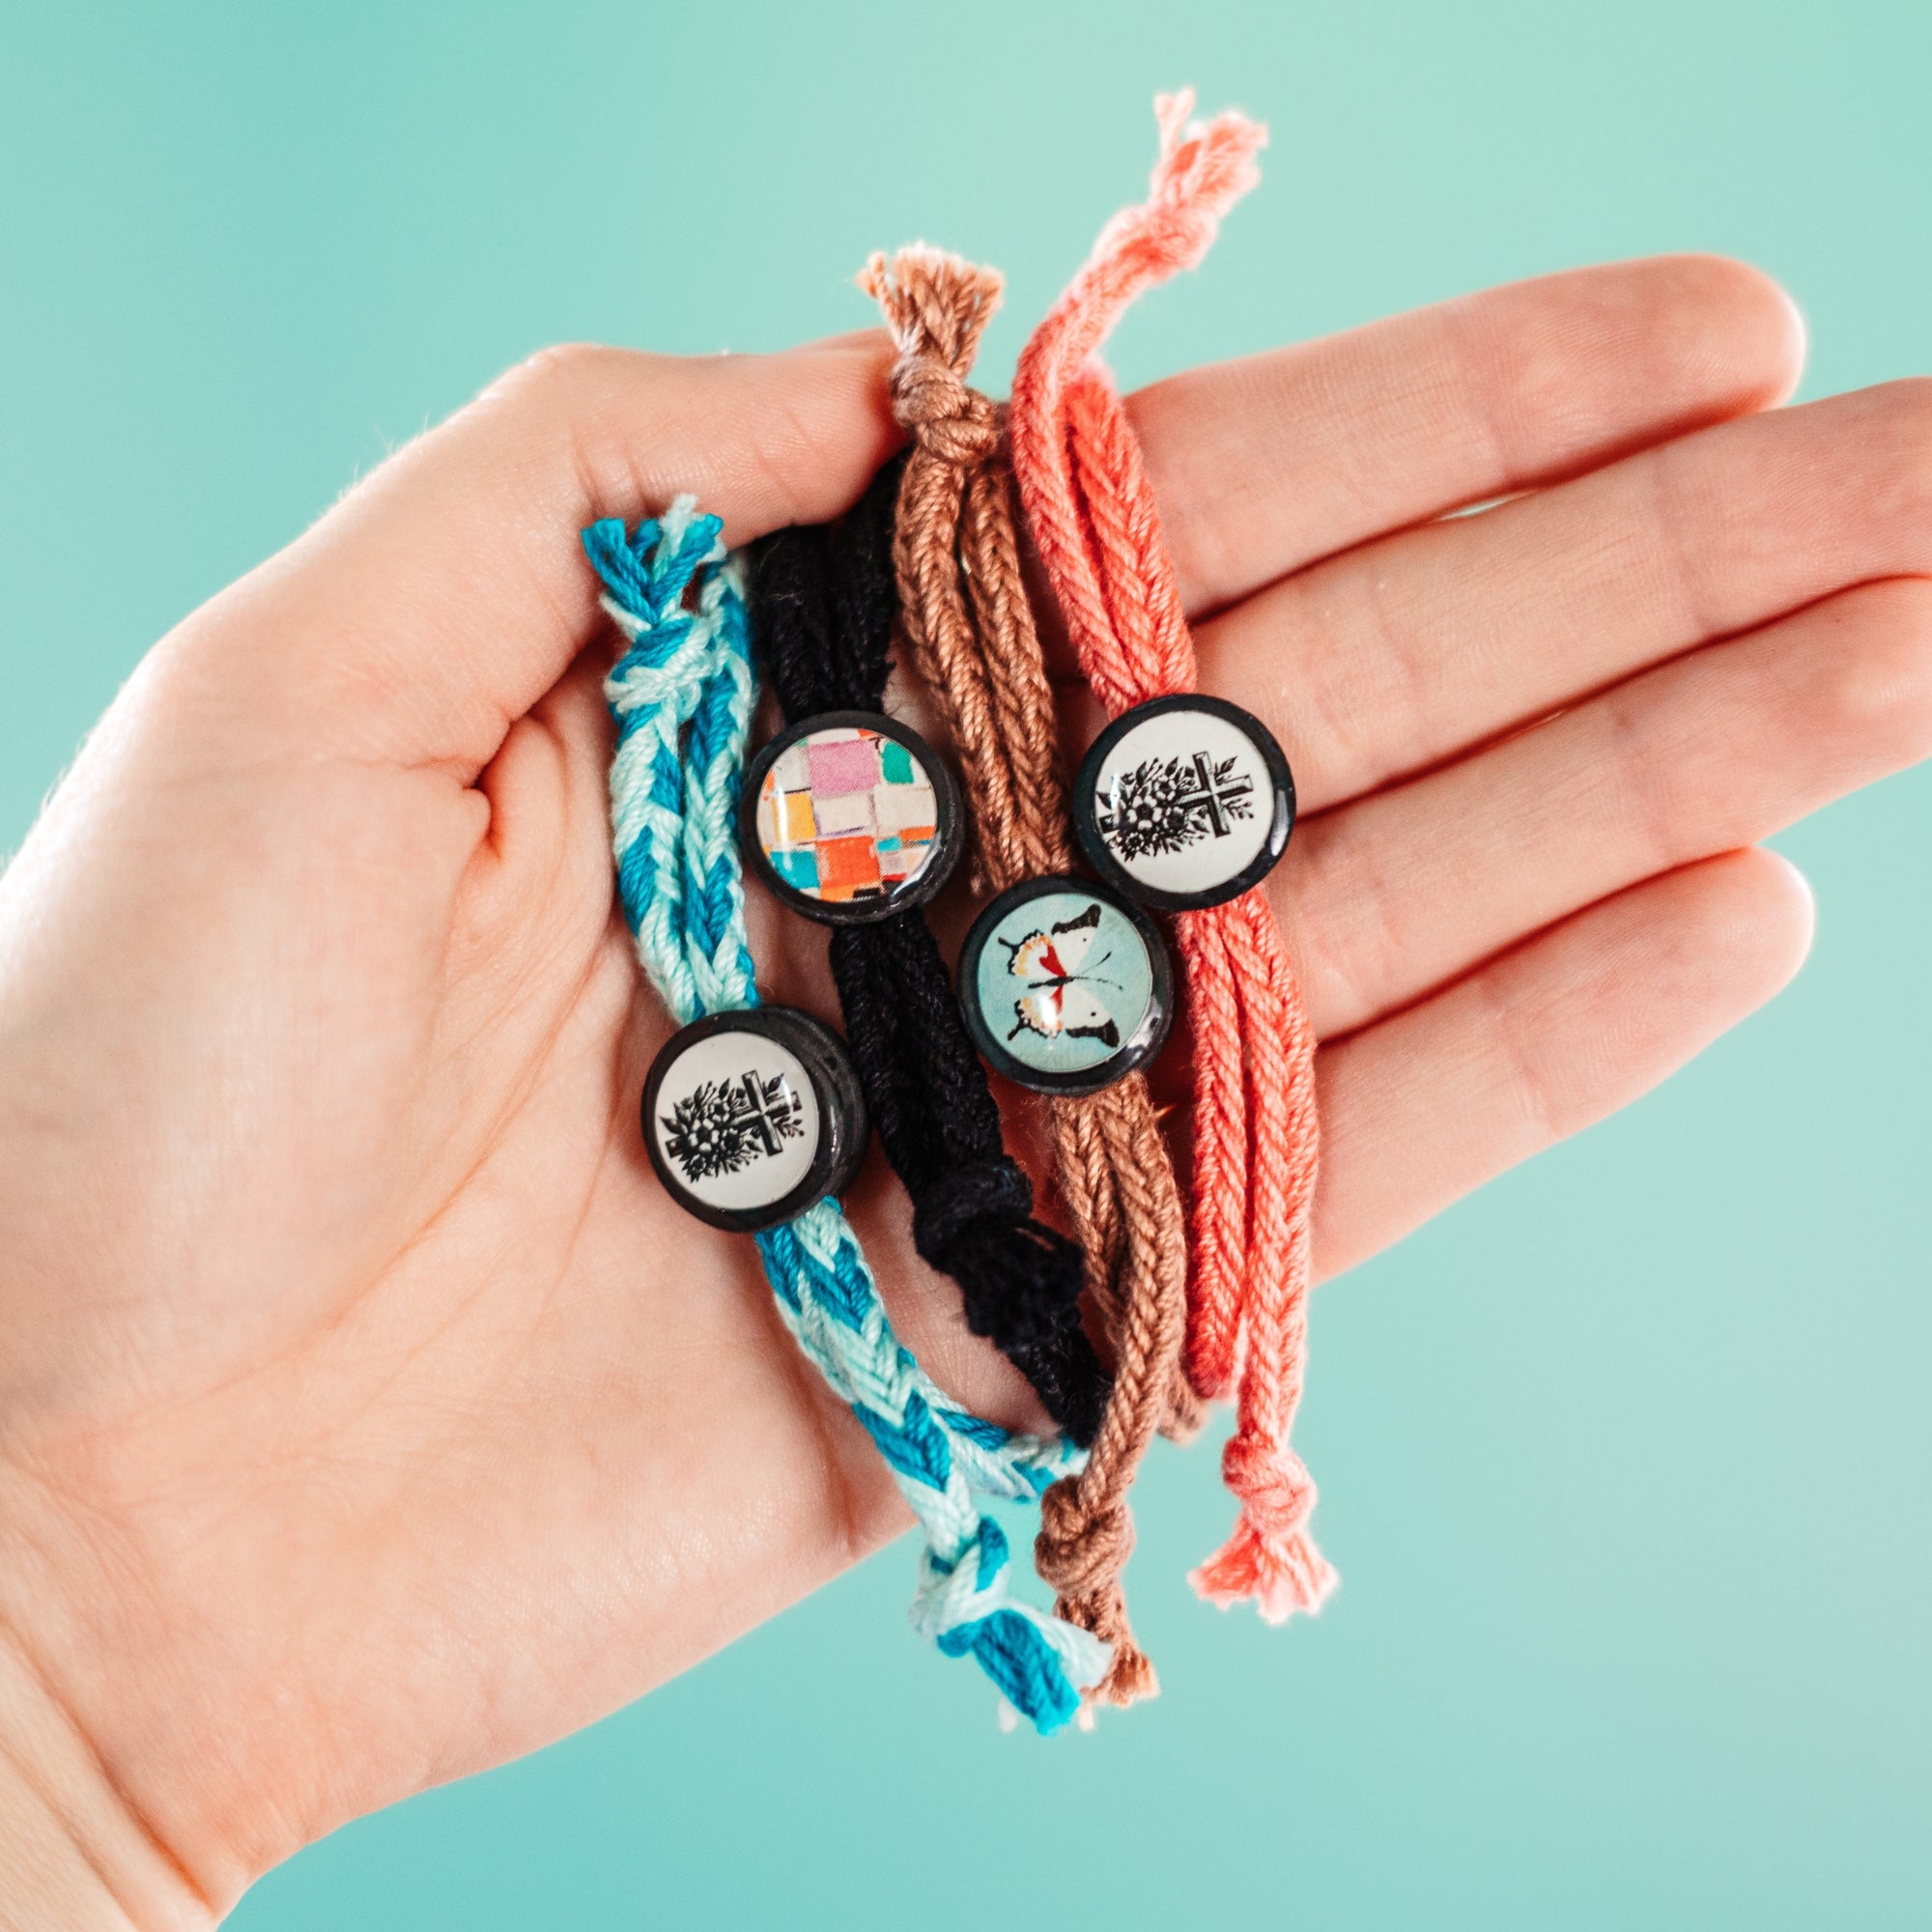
column 681, row 693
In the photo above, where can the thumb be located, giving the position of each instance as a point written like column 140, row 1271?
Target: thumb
column 441, row 597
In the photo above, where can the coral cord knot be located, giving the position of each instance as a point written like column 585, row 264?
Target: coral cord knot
column 1276, row 1491
column 1081, row 1550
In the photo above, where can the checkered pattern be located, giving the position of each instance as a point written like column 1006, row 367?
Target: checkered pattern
column 847, row 814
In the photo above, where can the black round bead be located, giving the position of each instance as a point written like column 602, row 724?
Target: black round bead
column 1184, row 802
column 1066, row 986
column 851, row 816
column 749, row 1117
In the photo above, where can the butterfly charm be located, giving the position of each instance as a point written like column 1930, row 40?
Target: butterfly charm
column 1058, row 1003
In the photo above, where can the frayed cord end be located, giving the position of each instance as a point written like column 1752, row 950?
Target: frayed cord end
column 1282, row 1576
column 1039, row 1663
column 644, row 571
column 1229, row 140
column 1129, row 1679
column 921, row 279
column 1205, row 168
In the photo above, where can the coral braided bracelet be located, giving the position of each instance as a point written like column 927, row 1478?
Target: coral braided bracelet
column 1092, row 517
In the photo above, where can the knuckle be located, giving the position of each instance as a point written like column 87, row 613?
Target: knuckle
column 1881, row 695
column 1894, row 424
column 583, row 410
column 1907, row 403
column 1355, row 949
column 557, row 374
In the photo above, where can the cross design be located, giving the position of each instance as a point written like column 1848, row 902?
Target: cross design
column 1219, row 796
column 769, row 1108
column 723, row 1125
column 1161, row 805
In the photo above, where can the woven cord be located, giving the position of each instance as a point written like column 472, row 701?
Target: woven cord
column 1092, row 517
column 971, row 632
column 681, row 693
column 827, row 603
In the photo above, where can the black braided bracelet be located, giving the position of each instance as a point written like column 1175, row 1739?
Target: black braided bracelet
column 825, row 601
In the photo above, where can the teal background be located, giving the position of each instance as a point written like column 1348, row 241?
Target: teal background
column 1122, row 979
column 1623, row 1462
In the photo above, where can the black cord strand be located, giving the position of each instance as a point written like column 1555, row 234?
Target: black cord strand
column 825, row 600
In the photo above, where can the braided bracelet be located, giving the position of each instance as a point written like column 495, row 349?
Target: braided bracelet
column 681, row 694
column 970, row 634
column 1190, row 802
column 850, row 818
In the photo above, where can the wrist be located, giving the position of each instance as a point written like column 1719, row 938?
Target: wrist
column 72, row 1853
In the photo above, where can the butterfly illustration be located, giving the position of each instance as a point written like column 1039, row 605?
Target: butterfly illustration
column 1057, row 1003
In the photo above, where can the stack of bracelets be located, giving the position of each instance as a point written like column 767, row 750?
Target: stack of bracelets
column 754, row 1117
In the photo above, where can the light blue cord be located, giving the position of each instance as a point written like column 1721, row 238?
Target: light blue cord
column 681, row 694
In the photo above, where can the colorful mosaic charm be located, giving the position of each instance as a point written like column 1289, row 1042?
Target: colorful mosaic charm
column 1184, row 802
column 1065, row 988
column 751, row 1117
column 852, row 817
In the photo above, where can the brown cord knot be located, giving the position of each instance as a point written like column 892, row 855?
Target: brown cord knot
column 957, row 423
column 1277, row 1493
column 937, row 307
column 1081, row 1550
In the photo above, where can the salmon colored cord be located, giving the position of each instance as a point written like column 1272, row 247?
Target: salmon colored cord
column 969, row 631
column 1093, row 520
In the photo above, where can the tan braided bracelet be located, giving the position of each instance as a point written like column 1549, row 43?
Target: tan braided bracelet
column 970, row 629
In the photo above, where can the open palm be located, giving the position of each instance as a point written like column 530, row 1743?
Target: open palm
column 367, row 1412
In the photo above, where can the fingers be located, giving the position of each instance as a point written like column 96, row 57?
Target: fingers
column 1408, row 888
column 1399, row 654
column 1427, row 1106
column 446, row 593
column 1263, row 465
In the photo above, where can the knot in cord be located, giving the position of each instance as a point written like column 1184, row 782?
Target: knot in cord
column 673, row 652
column 1276, row 1491
column 1038, row 1661
column 950, row 1204
column 635, row 683
column 937, row 307
column 952, row 420
column 1081, row 1550
column 1020, row 1279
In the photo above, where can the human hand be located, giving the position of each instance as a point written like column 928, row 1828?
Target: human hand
column 368, row 1415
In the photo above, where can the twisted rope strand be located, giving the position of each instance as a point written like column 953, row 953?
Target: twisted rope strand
column 830, row 601
column 681, row 693
column 977, row 648
column 1092, row 517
